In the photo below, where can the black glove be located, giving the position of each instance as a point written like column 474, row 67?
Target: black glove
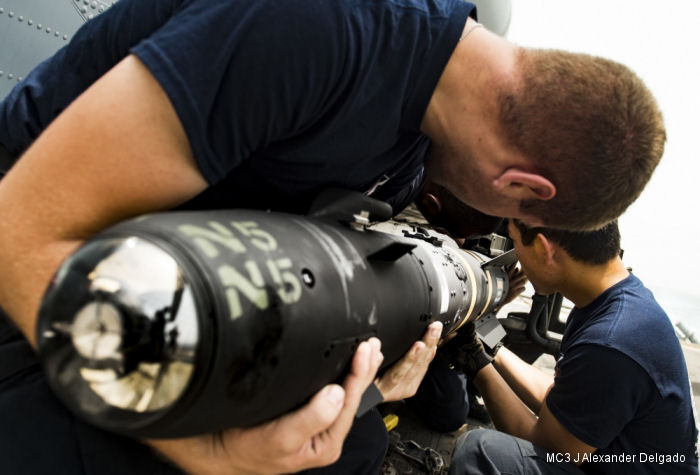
column 466, row 352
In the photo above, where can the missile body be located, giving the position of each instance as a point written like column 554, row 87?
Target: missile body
column 181, row 323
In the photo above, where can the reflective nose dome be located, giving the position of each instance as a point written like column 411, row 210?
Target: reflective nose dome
column 120, row 327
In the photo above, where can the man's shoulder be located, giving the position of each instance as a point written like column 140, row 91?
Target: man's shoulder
column 626, row 306
column 634, row 324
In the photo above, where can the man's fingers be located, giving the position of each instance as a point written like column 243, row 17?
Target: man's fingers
column 365, row 364
column 433, row 332
column 420, row 354
column 430, row 341
column 423, row 354
column 314, row 417
column 433, row 335
column 320, row 427
column 402, row 368
column 404, row 377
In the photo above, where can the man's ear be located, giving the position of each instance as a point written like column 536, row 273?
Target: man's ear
column 522, row 185
column 430, row 205
column 545, row 248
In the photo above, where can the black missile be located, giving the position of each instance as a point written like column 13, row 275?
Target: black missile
column 180, row 323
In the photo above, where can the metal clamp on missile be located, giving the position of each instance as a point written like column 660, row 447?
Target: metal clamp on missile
column 180, row 323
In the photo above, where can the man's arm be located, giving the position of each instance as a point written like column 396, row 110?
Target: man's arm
column 530, row 384
column 118, row 151
column 510, row 415
column 508, row 412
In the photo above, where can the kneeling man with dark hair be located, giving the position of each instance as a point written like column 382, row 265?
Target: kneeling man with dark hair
column 620, row 399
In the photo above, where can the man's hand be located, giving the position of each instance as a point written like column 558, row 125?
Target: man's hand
column 311, row 436
column 404, row 377
column 516, row 283
column 466, row 351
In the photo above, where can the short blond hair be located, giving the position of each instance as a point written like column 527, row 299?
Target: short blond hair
column 589, row 125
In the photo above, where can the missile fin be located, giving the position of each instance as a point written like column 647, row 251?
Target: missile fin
column 343, row 206
column 391, row 252
column 506, row 259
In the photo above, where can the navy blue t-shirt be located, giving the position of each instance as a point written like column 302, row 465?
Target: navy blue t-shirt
column 621, row 385
column 278, row 98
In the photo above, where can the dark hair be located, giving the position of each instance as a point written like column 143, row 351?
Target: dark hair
column 590, row 126
column 589, row 247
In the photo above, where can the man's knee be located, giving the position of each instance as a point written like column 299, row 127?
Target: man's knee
column 486, row 451
column 471, row 450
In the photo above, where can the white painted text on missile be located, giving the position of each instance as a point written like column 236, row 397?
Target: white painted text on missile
column 249, row 281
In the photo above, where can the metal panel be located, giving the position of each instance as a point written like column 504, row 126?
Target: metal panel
column 32, row 30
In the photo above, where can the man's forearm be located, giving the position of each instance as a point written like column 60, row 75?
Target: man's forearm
column 28, row 254
column 508, row 412
column 529, row 383
column 24, row 281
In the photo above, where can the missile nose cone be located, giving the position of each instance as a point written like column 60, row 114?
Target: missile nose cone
column 119, row 326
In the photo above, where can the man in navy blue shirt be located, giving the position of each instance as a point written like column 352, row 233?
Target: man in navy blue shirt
column 204, row 104
column 620, row 399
